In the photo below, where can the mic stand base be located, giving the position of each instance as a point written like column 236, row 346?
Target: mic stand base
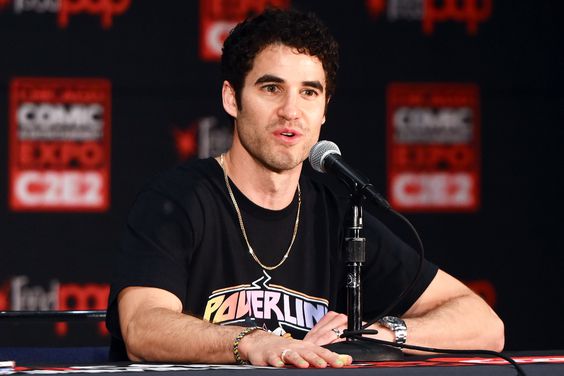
column 366, row 351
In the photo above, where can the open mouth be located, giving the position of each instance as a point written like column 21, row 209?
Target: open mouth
column 287, row 134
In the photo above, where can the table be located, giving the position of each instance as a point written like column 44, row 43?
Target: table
column 534, row 364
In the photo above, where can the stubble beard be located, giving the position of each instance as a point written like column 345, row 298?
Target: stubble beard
column 269, row 155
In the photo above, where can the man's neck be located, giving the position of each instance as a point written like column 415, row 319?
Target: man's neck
column 266, row 188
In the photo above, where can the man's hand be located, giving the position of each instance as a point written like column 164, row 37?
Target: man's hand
column 155, row 329
column 328, row 329
column 333, row 324
column 262, row 349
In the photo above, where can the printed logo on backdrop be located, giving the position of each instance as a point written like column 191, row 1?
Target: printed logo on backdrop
column 433, row 147
column 17, row 294
column 203, row 138
column 65, row 9
column 59, row 144
column 218, row 17
column 431, row 12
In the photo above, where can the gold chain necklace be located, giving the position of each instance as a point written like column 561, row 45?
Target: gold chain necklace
column 240, row 217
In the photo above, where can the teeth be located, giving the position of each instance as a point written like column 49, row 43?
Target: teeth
column 287, row 134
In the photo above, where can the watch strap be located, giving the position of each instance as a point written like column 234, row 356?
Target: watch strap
column 396, row 325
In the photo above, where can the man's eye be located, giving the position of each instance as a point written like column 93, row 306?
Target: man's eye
column 310, row 92
column 270, row 88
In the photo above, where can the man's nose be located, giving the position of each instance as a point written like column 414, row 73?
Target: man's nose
column 290, row 107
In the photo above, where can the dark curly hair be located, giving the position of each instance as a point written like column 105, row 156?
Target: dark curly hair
column 302, row 31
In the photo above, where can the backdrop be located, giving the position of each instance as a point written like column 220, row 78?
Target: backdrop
column 454, row 110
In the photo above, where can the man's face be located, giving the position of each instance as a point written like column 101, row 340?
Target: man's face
column 282, row 108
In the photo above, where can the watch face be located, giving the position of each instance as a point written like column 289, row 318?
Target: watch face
column 393, row 322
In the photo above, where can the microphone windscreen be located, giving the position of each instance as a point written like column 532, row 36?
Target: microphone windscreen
column 321, row 150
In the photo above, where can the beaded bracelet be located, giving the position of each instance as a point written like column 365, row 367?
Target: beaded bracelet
column 238, row 339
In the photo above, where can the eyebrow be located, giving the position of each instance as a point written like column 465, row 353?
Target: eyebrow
column 271, row 78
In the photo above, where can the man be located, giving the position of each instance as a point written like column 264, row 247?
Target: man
column 247, row 241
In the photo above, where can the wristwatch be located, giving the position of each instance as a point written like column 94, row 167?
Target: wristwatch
column 396, row 325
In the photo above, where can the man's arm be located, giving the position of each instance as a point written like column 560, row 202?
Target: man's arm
column 155, row 329
column 447, row 315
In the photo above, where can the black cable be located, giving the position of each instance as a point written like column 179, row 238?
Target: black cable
column 421, row 252
column 355, row 335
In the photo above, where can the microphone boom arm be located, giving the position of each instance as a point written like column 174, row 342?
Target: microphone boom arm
column 334, row 163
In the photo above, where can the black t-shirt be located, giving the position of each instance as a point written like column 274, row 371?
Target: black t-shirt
column 183, row 236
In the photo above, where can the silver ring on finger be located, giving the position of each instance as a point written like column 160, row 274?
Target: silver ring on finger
column 337, row 331
column 284, row 352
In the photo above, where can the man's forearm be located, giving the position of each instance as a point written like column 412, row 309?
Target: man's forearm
column 154, row 328
column 464, row 322
column 449, row 315
column 159, row 334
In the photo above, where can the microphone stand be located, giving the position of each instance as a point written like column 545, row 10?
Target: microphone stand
column 355, row 255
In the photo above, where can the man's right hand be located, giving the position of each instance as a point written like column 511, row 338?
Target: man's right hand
column 261, row 349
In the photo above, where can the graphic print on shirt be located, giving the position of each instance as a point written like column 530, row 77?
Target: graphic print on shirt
column 274, row 307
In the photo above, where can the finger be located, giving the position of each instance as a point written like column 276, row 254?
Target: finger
column 313, row 359
column 338, row 322
column 331, row 320
column 294, row 358
column 322, row 333
column 324, row 338
column 346, row 359
column 341, row 360
column 333, row 359
column 283, row 355
column 328, row 336
column 275, row 360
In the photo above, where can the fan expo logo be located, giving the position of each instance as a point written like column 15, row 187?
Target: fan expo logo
column 203, row 138
column 105, row 9
column 433, row 147
column 431, row 12
column 59, row 144
column 218, row 17
column 18, row 294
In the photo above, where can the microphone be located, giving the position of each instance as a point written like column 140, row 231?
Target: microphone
column 325, row 156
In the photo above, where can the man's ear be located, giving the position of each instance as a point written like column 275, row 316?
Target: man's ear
column 229, row 100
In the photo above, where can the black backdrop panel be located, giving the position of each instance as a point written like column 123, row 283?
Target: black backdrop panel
column 165, row 106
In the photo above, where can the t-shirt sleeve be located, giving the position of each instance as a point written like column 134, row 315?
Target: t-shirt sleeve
column 154, row 251
column 391, row 265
